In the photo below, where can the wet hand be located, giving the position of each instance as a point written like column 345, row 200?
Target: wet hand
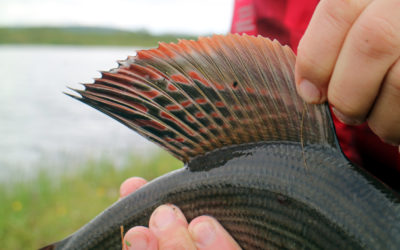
column 350, row 56
column 169, row 229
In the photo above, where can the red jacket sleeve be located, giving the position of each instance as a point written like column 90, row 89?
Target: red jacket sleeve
column 286, row 21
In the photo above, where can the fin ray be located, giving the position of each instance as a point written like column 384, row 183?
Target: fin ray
column 196, row 96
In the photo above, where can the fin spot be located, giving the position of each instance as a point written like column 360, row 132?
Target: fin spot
column 235, row 84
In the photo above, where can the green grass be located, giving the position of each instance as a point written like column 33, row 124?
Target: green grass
column 47, row 208
column 83, row 36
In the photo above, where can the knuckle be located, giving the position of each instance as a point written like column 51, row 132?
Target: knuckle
column 377, row 129
column 393, row 82
column 383, row 132
column 335, row 15
column 311, row 66
column 342, row 104
column 377, row 38
column 394, row 87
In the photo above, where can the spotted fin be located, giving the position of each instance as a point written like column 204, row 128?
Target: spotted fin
column 196, row 96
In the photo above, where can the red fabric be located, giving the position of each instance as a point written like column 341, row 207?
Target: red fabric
column 286, row 21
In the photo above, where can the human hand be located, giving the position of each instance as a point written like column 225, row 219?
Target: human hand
column 350, row 56
column 169, row 229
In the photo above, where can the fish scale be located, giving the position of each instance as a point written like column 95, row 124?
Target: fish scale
column 266, row 165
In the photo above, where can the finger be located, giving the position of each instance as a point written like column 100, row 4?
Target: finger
column 321, row 44
column 208, row 234
column 371, row 48
column 140, row 238
column 170, row 227
column 384, row 118
column 130, row 185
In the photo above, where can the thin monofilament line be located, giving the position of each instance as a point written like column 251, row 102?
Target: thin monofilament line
column 302, row 136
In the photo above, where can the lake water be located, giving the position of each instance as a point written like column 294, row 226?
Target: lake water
column 39, row 124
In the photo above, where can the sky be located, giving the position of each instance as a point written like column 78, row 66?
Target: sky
column 195, row 17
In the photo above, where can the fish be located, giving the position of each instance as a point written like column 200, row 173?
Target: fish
column 256, row 157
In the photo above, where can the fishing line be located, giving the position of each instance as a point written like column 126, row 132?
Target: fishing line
column 303, row 113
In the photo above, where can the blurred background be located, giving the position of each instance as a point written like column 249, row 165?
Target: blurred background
column 61, row 162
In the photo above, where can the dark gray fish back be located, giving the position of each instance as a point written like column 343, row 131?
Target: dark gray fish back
column 267, row 199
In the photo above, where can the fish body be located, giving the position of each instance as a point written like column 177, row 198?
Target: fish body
column 259, row 160
column 265, row 197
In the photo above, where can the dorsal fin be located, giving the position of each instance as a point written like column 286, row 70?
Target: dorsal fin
column 196, row 96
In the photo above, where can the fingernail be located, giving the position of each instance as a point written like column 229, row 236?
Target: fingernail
column 344, row 119
column 204, row 233
column 164, row 216
column 309, row 92
column 137, row 241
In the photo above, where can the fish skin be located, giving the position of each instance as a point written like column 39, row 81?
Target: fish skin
column 266, row 198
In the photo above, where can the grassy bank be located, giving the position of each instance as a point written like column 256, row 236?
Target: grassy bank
column 83, row 36
column 45, row 209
